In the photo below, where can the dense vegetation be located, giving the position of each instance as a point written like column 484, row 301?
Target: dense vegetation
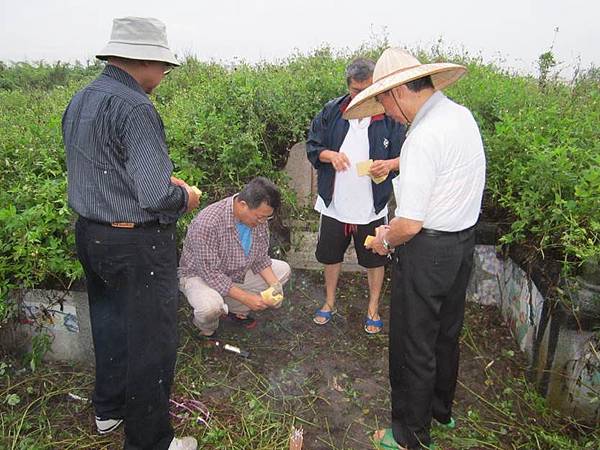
column 227, row 124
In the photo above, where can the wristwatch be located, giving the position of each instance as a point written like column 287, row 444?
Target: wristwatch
column 386, row 245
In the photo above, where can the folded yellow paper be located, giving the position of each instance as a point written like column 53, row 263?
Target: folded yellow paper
column 269, row 295
column 369, row 239
column 362, row 168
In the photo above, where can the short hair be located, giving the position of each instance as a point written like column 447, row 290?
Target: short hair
column 360, row 69
column 420, row 84
column 260, row 190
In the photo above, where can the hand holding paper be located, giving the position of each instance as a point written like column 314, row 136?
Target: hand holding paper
column 363, row 169
column 273, row 294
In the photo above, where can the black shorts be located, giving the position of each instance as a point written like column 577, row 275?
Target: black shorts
column 333, row 242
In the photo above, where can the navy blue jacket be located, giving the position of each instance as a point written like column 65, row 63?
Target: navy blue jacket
column 328, row 131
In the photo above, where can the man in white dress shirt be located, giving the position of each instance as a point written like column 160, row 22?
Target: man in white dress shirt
column 438, row 195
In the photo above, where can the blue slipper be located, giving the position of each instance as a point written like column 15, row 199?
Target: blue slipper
column 327, row 315
column 373, row 323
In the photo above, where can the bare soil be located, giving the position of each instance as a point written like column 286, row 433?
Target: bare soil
column 331, row 380
column 334, row 378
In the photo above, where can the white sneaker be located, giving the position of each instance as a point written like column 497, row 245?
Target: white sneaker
column 105, row 426
column 185, row 443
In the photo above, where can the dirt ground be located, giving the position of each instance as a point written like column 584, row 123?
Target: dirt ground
column 334, row 378
column 332, row 381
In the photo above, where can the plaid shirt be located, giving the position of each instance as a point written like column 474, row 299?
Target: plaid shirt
column 212, row 249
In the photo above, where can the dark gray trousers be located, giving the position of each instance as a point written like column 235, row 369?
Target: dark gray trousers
column 429, row 281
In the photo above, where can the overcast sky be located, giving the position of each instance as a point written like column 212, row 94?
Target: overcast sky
column 514, row 32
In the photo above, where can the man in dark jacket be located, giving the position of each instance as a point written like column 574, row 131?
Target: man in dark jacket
column 356, row 161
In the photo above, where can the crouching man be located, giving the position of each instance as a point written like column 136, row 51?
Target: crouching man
column 225, row 266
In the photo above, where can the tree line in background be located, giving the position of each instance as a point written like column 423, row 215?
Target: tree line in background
column 227, row 124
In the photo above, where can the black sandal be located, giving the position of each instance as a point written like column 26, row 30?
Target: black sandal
column 247, row 322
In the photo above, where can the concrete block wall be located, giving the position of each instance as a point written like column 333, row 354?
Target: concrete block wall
column 62, row 315
column 562, row 348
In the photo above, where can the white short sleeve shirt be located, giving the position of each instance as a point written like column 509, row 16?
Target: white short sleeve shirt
column 442, row 167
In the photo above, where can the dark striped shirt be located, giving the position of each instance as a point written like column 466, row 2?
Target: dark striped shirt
column 117, row 161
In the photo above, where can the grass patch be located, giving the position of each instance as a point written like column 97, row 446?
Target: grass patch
column 331, row 381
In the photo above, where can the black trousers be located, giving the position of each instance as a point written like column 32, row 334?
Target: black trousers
column 131, row 279
column 429, row 281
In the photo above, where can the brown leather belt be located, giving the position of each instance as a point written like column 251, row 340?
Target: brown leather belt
column 125, row 225
column 129, row 225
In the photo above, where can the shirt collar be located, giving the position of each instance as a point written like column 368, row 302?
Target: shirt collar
column 230, row 219
column 122, row 77
column 437, row 97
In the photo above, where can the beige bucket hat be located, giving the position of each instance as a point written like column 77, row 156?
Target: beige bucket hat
column 142, row 38
column 395, row 67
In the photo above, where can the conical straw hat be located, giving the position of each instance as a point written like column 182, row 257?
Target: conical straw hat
column 395, row 67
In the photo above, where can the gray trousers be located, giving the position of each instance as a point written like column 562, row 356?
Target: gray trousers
column 209, row 305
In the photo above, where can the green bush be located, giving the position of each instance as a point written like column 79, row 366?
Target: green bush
column 227, row 124
column 543, row 152
column 36, row 244
column 25, row 76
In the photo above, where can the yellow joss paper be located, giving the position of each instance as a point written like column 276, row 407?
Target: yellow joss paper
column 362, row 168
column 269, row 295
column 368, row 240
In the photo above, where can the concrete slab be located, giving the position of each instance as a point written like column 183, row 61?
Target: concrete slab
column 302, row 252
column 303, row 177
column 62, row 315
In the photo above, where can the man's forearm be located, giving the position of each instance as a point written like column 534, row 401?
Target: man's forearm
column 238, row 294
column 402, row 230
column 269, row 276
column 326, row 155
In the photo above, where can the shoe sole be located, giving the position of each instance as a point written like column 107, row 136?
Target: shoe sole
column 321, row 323
column 373, row 332
column 109, row 429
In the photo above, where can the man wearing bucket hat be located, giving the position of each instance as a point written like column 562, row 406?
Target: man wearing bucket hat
column 352, row 202
column 438, row 195
column 120, row 184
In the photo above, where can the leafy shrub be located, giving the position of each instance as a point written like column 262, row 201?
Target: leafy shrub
column 25, row 76
column 36, row 244
column 543, row 151
column 227, row 124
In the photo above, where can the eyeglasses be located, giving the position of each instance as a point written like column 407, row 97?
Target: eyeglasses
column 256, row 215
column 167, row 71
column 264, row 219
